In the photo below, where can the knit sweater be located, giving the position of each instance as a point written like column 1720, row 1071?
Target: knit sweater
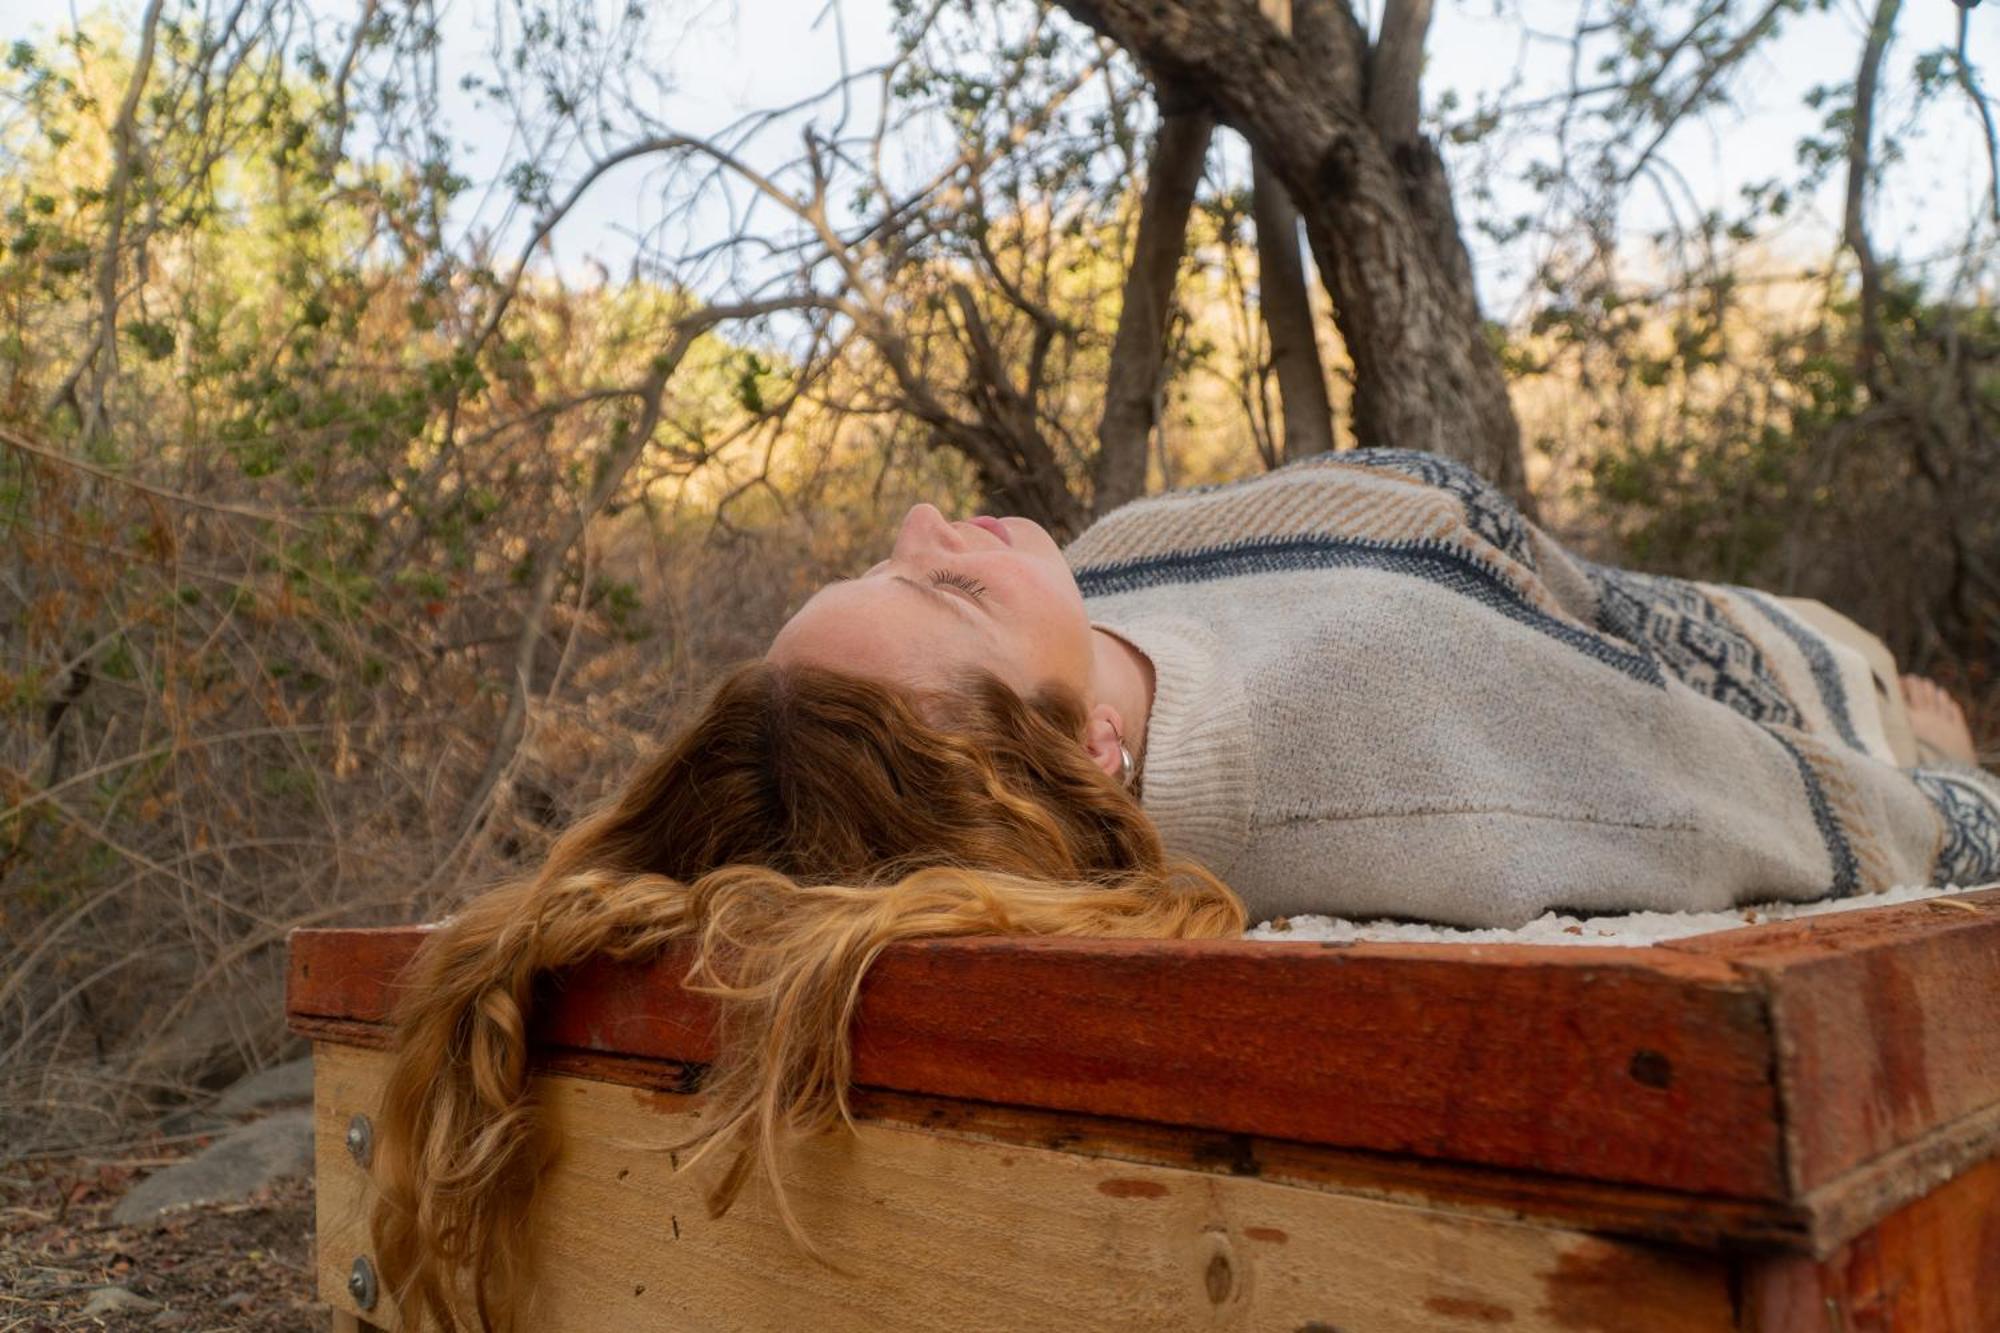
column 1380, row 691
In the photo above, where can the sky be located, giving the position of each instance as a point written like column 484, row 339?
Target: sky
column 717, row 60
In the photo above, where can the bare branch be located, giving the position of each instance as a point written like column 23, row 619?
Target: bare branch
column 1968, row 80
column 1746, row 41
column 100, row 354
column 15, row 440
column 620, row 452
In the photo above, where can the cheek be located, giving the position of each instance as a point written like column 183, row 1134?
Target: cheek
column 1062, row 626
column 1050, row 596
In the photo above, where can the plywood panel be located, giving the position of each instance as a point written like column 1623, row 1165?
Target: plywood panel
column 942, row 1231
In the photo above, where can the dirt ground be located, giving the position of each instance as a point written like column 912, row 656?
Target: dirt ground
column 243, row 1266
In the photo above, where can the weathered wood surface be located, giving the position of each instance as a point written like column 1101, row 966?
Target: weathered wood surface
column 1634, row 1211
column 1877, row 1112
column 936, row 1229
column 1933, row 1266
column 1888, row 1025
column 1634, row 1066
column 1771, row 1063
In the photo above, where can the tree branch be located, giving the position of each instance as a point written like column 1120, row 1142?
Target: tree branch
column 620, row 453
column 1395, row 63
column 1970, row 83
column 1287, row 309
column 1119, row 472
column 1860, row 136
column 100, row 353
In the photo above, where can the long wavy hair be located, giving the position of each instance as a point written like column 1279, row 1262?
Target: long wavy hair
column 803, row 822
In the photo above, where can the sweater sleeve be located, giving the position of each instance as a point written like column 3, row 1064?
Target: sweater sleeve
column 1967, row 801
column 1726, row 643
column 1885, row 826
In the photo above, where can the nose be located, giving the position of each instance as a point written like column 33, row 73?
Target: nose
column 926, row 529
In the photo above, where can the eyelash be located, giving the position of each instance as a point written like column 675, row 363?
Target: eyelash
column 964, row 582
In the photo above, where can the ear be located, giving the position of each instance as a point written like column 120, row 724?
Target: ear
column 1101, row 733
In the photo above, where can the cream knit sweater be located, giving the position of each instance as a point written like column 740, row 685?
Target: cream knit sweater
column 1380, row 691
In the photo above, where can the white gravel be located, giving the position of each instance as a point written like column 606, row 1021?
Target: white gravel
column 1632, row 928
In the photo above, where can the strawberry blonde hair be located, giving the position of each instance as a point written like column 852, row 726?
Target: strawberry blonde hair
column 803, row 822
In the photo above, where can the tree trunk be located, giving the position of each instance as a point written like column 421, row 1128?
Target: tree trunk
column 1854, row 232
column 1281, row 293
column 1336, row 122
column 1137, row 352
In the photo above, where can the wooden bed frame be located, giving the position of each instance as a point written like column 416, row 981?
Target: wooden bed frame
column 1786, row 1127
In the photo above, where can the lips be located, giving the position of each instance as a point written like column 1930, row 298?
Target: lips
column 992, row 525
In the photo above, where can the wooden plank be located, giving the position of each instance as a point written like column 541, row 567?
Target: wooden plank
column 1885, row 1021
column 938, row 1230
column 1638, row 1212
column 1858, row 926
column 1636, row 1066
column 1849, row 1204
column 1816, row 1224
column 346, row 1082
column 1932, row 1266
column 350, row 974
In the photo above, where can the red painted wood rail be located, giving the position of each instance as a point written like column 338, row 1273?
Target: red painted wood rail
column 1818, row 1060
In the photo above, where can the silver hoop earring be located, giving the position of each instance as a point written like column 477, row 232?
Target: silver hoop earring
column 1124, row 765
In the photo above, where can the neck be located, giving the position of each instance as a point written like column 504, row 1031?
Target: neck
column 1123, row 678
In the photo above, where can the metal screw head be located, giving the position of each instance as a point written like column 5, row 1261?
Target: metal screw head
column 360, row 1139
column 361, row 1282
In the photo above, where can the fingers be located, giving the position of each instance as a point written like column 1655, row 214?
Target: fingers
column 1924, row 693
column 1916, row 691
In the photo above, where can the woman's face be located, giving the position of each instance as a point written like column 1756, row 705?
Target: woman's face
column 992, row 593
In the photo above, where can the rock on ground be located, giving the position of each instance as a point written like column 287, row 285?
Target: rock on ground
column 229, row 1170
column 117, row 1300
column 192, row 1120
column 198, row 1265
column 281, row 1085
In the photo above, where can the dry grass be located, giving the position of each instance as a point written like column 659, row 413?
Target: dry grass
column 192, row 766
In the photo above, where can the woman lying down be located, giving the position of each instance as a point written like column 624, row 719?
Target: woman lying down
column 1362, row 685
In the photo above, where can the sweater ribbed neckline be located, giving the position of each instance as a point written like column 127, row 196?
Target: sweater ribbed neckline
column 1196, row 779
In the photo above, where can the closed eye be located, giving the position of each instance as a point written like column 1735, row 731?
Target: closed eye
column 965, row 583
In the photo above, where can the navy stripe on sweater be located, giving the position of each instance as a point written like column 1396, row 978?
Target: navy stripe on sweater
column 1437, row 562
column 1826, row 672
column 1846, row 870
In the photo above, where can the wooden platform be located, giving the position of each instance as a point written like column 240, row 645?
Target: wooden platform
column 1787, row 1127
